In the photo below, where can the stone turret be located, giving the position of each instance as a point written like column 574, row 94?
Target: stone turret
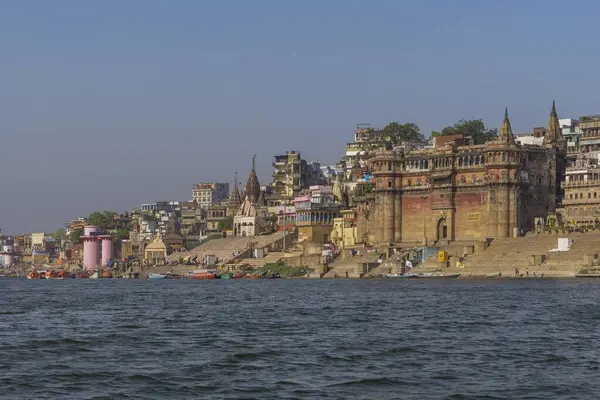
column 235, row 200
column 252, row 191
column 506, row 134
column 553, row 135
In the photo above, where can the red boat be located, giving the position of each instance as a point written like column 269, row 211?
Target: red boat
column 203, row 274
column 34, row 275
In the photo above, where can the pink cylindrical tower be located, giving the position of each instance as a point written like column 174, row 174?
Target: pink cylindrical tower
column 91, row 247
column 107, row 249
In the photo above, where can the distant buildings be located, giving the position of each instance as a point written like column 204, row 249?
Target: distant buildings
column 206, row 194
column 292, row 174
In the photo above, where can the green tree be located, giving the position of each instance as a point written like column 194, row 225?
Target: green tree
column 75, row 235
column 475, row 128
column 103, row 220
column 393, row 134
column 226, row 224
column 121, row 234
column 60, row 234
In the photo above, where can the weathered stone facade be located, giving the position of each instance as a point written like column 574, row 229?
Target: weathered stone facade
column 464, row 192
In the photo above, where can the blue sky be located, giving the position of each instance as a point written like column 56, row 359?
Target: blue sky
column 108, row 104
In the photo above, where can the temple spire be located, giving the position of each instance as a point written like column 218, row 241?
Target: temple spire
column 506, row 133
column 553, row 134
column 254, row 162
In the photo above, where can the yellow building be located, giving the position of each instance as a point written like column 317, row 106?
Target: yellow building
column 344, row 233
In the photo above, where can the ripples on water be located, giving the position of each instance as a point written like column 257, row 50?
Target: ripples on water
column 299, row 339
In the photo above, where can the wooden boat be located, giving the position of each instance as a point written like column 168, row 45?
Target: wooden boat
column 63, row 274
column 157, row 276
column 95, row 275
column 226, row 275
column 34, row 275
column 203, row 274
column 107, row 274
column 252, row 276
column 237, row 276
column 51, row 274
column 81, row 275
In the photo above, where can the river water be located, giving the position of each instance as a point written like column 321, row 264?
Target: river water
column 299, row 339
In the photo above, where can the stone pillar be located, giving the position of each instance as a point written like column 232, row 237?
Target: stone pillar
column 492, row 208
column 390, row 232
column 503, row 212
column 398, row 218
column 387, row 217
column 377, row 218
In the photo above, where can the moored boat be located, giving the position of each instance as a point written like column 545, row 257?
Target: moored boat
column 203, row 274
column 34, row 275
column 95, row 275
column 107, row 274
column 226, row 275
column 157, row 276
column 51, row 274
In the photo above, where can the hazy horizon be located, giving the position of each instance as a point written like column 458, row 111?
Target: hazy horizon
column 107, row 105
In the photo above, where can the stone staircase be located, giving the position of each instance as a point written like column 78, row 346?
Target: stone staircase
column 505, row 254
column 255, row 263
column 226, row 248
column 454, row 250
column 345, row 263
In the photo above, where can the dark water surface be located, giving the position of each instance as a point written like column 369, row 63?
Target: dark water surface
column 299, row 339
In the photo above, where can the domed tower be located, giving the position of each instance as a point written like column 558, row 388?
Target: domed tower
column 502, row 163
column 253, row 185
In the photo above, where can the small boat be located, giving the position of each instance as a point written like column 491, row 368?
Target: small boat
column 252, row 276
column 202, row 274
column 107, row 274
column 237, row 276
column 34, row 275
column 51, row 274
column 157, row 276
column 95, row 275
column 226, row 275
column 81, row 275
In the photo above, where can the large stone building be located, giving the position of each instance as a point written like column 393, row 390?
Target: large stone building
column 465, row 192
column 582, row 191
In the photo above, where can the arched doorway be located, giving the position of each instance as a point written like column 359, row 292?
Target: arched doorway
column 442, row 229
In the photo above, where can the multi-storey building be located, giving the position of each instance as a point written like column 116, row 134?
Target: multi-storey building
column 589, row 137
column 209, row 193
column 289, row 173
column 582, row 191
column 355, row 150
column 571, row 132
column 316, row 209
column 465, row 192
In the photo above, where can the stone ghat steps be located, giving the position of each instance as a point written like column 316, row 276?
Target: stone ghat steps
column 224, row 248
column 340, row 267
column 504, row 255
column 260, row 262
